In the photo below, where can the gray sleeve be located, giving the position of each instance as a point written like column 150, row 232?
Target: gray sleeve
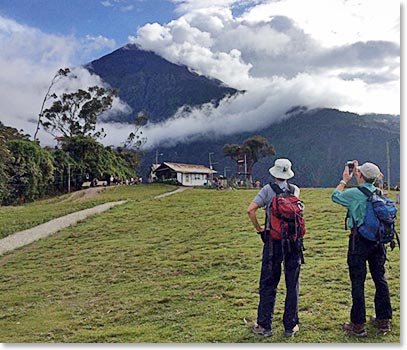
column 262, row 198
column 296, row 191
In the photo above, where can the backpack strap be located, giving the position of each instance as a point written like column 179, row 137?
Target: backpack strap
column 291, row 188
column 365, row 191
column 276, row 188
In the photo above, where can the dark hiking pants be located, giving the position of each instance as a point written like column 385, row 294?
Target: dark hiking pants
column 273, row 255
column 361, row 250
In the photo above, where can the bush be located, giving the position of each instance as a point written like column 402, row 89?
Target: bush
column 30, row 171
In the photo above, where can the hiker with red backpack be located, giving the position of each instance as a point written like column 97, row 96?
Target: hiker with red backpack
column 282, row 237
column 371, row 218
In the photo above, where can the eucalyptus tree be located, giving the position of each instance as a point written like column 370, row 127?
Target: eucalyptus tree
column 249, row 153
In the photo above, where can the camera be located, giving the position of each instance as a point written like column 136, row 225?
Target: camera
column 350, row 165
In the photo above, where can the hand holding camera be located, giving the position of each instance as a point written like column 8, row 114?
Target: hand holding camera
column 351, row 166
column 350, row 169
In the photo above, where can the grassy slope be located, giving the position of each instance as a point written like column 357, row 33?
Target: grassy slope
column 184, row 268
column 17, row 218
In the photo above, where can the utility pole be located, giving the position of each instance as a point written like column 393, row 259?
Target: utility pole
column 388, row 165
column 157, row 155
column 210, row 166
column 224, row 171
column 245, row 170
column 69, row 177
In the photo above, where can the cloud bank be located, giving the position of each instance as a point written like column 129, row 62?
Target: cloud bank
column 30, row 60
column 344, row 55
column 318, row 53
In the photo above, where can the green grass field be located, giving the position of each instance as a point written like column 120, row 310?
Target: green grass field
column 17, row 218
column 182, row 269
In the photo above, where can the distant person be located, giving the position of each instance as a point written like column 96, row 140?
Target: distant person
column 278, row 248
column 379, row 182
column 362, row 250
column 258, row 183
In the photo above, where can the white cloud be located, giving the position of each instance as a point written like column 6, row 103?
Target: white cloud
column 106, row 3
column 255, row 109
column 336, row 22
column 28, row 64
column 127, row 8
column 94, row 43
column 339, row 54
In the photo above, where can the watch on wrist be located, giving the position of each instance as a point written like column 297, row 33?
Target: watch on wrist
column 343, row 182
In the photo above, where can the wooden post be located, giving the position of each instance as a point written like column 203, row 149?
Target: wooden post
column 69, row 178
column 388, row 165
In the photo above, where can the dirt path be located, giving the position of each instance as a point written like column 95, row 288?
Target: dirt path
column 22, row 238
column 178, row 190
column 82, row 195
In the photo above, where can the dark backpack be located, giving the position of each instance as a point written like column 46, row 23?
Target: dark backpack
column 286, row 215
column 380, row 218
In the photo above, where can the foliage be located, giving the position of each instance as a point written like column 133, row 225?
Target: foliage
column 75, row 114
column 31, row 171
column 250, row 152
column 135, row 139
column 63, row 72
column 89, row 159
column 5, row 158
column 318, row 143
column 26, row 170
column 128, row 276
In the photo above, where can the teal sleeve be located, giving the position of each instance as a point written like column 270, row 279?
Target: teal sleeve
column 342, row 198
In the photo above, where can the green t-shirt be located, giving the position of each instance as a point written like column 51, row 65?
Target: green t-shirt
column 355, row 201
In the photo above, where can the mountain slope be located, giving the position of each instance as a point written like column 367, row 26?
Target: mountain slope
column 148, row 82
column 318, row 142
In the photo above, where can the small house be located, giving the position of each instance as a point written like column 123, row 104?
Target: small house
column 185, row 174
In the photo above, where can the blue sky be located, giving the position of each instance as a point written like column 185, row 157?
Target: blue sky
column 342, row 54
column 111, row 19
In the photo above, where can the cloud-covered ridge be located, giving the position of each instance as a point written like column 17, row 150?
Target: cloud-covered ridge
column 280, row 59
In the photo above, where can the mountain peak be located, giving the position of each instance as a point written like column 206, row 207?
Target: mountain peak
column 148, row 82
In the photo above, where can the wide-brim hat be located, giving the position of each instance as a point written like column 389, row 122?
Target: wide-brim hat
column 282, row 169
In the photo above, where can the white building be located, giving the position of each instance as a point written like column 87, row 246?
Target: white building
column 185, row 174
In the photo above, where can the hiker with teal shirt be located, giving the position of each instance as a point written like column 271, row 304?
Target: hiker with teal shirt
column 362, row 250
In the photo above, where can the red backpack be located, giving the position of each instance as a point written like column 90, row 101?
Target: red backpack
column 286, row 215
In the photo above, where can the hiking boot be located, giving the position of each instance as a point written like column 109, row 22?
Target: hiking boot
column 257, row 329
column 382, row 325
column 290, row 333
column 357, row 330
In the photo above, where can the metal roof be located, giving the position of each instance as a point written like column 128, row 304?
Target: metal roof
column 189, row 168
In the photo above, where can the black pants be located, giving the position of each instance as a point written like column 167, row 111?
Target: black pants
column 273, row 256
column 361, row 250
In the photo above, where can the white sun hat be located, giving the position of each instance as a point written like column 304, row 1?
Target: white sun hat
column 369, row 170
column 282, row 169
